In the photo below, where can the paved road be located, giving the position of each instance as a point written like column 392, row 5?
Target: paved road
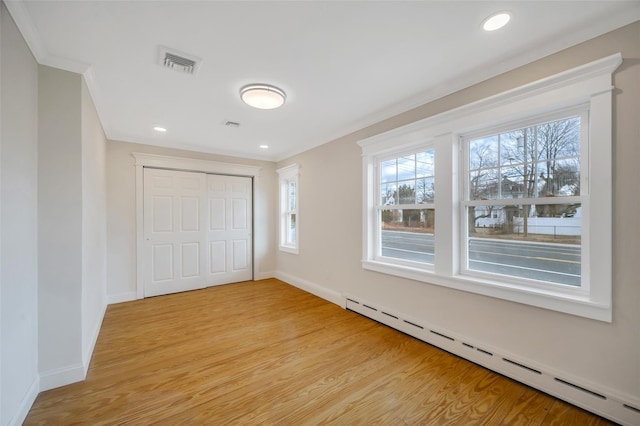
column 549, row 262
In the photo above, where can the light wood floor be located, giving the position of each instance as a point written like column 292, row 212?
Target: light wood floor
column 267, row 353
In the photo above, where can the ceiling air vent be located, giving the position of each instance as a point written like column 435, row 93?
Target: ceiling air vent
column 179, row 61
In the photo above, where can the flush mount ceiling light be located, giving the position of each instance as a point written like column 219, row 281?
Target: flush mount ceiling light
column 159, row 129
column 496, row 21
column 262, row 96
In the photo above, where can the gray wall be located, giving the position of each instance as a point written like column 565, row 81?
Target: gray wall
column 18, row 183
column 59, row 219
column 607, row 355
column 94, row 224
column 53, row 263
column 72, row 226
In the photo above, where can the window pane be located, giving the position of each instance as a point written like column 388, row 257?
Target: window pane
column 527, row 241
column 388, row 171
column 559, row 178
column 292, row 195
column 291, row 234
column 512, row 147
column 408, row 234
column 483, row 153
column 559, row 139
column 388, row 194
column 484, row 184
column 512, row 184
column 407, row 167
column 425, row 164
column 407, row 192
column 425, row 190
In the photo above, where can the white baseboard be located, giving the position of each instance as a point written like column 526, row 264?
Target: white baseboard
column 88, row 353
column 61, row 376
column 313, row 288
column 616, row 406
column 121, row 297
column 264, row 275
column 26, row 403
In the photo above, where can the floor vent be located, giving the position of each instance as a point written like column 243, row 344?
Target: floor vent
column 442, row 335
column 414, row 324
column 389, row 315
column 637, row 410
column 178, row 61
column 533, row 370
column 590, row 392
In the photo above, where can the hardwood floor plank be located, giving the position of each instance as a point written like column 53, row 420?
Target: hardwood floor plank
column 268, row 353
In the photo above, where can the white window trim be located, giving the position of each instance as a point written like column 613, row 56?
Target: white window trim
column 286, row 175
column 589, row 84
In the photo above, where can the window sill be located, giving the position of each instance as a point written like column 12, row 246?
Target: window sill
column 289, row 249
column 570, row 303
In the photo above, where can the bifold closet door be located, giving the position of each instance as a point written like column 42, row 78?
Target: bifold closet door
column 229, row 230
column 175, row 232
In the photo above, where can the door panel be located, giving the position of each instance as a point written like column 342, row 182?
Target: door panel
column 190, row 213
column 162, row 262
column 174, row 234
column 217, row 214
column 190, row 260
column 218, row 256
column 230, row 229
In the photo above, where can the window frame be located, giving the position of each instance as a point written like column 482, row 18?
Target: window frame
column 587, row 85
column 287, row 175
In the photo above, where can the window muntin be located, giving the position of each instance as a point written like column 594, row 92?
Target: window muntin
column 406, row 210
column 537, row 237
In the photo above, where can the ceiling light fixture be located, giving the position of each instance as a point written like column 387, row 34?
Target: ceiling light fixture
column 496, row 21
column 159, row 129
column 262, row 96
column 264, row 147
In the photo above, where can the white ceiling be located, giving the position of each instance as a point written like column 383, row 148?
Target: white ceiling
column 343, row 64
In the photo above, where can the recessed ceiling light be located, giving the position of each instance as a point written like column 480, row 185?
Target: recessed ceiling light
column 159, row 129
column 262, row 96
column 264, row 146
column 496, row 21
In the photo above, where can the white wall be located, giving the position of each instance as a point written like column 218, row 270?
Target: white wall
column 19, row 269
column 121, row 214
column 606, row 355
column 94, row 225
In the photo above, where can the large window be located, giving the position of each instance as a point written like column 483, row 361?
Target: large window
column 289, row 217
column 522, row 184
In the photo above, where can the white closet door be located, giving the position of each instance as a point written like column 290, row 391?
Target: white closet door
column 174, row 231
column 230, row 224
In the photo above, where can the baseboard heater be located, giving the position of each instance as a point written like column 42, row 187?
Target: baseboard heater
column 546, row 380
